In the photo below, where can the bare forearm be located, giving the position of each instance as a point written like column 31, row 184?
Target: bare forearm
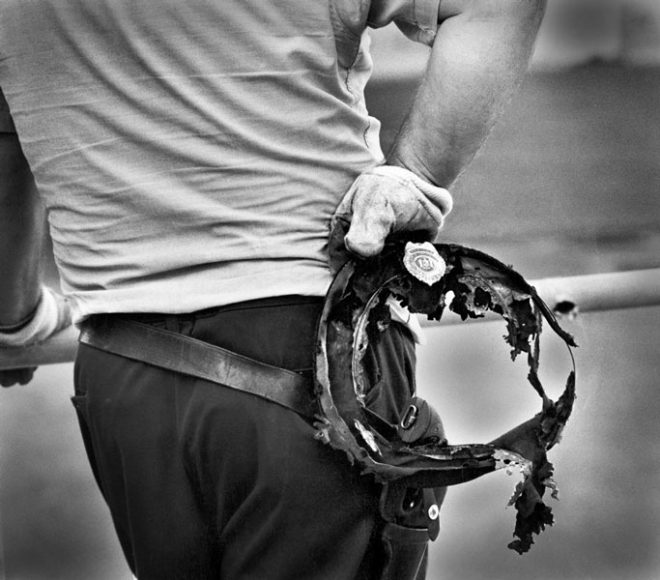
column 21, row 234
column 477, row 62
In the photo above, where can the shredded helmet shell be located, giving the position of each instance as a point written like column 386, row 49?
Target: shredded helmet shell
column 429, row 279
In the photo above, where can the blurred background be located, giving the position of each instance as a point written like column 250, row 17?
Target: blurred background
column 567, row 184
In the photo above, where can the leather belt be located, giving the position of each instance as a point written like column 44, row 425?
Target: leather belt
column 183, row 354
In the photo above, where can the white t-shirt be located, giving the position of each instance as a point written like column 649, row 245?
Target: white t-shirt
column 190, row 153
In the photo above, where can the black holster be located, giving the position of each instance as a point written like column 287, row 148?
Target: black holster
column 410, row 518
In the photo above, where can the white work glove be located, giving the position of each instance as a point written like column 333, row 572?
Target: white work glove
column 52, row 314
column 382, row 201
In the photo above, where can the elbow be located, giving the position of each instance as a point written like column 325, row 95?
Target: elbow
column 520, row 18
column 525, row 16
column 528, row 13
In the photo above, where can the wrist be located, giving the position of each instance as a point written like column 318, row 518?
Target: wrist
column 49, row 315
column 15, row 326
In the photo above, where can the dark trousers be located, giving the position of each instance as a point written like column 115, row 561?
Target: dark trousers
column 204, row 482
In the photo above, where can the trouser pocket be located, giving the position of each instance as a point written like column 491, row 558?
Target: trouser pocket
column 80, row 405
column 79, row 402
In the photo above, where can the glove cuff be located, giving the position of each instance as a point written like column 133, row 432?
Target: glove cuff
column 51, row 314
column 437, row 196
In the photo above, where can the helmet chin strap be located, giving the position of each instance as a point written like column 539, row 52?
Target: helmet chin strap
column 431, row 279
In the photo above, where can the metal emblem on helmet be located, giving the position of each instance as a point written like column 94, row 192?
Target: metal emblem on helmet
column 423, row 262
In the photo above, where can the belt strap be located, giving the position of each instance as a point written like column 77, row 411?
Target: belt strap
column 183, row 354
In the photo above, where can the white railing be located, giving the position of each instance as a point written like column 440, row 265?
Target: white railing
column 589, row 293
column 592, row 293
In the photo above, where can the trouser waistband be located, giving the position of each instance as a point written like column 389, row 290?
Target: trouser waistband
column 280, row 331
column 189, row 356
column 263, row 347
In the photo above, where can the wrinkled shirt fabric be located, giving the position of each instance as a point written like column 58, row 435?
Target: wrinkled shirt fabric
column 190, row 154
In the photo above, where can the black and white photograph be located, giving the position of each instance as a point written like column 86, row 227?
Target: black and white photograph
column 329, row 290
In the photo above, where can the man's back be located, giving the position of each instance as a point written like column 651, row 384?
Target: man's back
column 201, row 143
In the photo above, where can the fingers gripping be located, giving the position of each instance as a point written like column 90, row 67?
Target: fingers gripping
column 389, row 199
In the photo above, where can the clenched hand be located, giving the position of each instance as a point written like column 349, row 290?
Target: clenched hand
column 384, row 200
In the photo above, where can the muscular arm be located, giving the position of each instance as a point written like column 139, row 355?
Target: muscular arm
column 477, row 61
column 21, row 234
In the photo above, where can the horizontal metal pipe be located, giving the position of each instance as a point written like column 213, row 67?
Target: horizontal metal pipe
column 589, row 293
column 61, row 348
column 610, row 291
